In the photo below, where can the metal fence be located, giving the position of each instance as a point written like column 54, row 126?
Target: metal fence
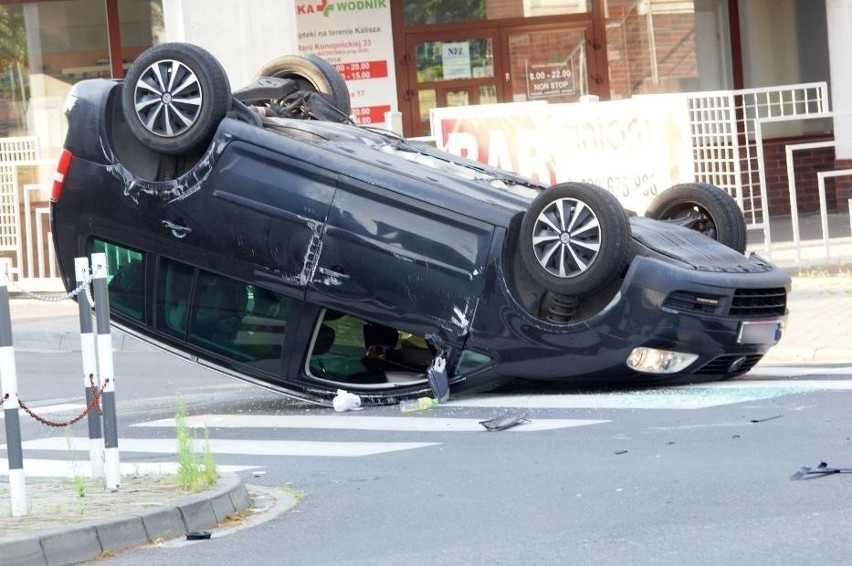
column 727, row 148
column 26, row 249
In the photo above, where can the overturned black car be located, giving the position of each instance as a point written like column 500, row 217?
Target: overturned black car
column 263, row 234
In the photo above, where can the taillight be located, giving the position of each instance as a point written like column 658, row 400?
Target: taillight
column 59, row 176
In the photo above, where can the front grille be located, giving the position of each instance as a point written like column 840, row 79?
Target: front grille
column 690, row 302
column 721, row 365
column 759, row 303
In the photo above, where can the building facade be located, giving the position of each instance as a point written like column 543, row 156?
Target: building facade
column 414, row 55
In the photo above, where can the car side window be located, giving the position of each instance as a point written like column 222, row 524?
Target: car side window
column 125, row 277
column 348, row 349
column 174, row 288
column 236, row 319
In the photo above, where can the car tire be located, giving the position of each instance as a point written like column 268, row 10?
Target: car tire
column 705, row 208
column 174, row 96
column 312, row 73
column 574, row 239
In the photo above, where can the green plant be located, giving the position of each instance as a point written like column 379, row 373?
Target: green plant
column 195, row 472
column 208, row 463
column 77, row 479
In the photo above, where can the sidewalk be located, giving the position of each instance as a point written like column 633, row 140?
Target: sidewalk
column 64, row 528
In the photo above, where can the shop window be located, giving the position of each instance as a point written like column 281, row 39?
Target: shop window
column 452, row 60
column 125, row 278
column 443, row 11
column 419, row 12
column 45, row 47
column 663, row 46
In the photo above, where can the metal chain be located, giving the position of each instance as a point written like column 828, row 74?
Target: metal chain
column 55, row 298
column 94, row 405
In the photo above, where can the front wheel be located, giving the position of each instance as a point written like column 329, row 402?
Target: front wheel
column 574, row 239
column 705, row 208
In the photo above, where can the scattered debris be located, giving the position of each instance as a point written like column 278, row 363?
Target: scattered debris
column 419, row 404
column 820, row 471
column 773, row 417
column 505, row 421
column 198, row 535
column 438, row 379
column 437, row 375
column 345, row 401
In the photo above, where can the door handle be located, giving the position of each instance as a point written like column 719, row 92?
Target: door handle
column 179, row 231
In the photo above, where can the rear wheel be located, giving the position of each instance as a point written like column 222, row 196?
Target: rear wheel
column 705, row 208
column 312, row 73
column 574, row 239
column 174, row 96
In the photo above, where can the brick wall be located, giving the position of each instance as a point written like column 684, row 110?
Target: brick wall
column 630, row 57
column 807, row 164
column 843, row 185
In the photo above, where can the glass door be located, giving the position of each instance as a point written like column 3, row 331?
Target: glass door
column 553, row 63
column 449, row 70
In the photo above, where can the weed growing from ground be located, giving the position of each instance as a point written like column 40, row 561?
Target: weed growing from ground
column 195, row 472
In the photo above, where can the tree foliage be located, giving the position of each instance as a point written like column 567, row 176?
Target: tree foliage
column 441, row 11
column 13, row 39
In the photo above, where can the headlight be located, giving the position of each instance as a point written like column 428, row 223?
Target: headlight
column 651, row 360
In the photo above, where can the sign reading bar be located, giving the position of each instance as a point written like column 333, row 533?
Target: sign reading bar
column 633, row 148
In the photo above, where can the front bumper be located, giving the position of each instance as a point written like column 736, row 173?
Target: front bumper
column 729, row 320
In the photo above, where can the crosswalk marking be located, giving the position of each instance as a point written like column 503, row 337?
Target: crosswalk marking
column 43, row 468
column 676, row 397
column 244, row 447
column 399, row 424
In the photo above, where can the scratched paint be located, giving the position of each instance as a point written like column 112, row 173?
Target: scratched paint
column 166, row 191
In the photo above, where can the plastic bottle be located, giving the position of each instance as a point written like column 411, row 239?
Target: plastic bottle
column 419, row 404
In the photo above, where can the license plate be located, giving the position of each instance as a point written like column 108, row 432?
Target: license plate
column 759, row 332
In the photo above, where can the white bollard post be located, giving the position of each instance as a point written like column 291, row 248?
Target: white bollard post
column 91, row 382
column 112, row 461
column 11, row 413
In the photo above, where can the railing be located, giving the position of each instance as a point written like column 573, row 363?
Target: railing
column 726, row 148
column 26, row 248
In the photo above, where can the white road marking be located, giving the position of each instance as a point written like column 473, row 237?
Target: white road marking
column 59, row 408
column 400, row 424
column 35, row 467
column 243, row 447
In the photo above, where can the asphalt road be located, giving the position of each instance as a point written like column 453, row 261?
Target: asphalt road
column 689, row 475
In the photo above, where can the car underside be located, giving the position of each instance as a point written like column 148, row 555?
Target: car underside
column 295, row 250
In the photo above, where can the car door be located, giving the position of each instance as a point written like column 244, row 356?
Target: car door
column 410, row 264
column 257, row 217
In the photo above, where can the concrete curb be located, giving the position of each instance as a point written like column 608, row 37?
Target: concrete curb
column 89, row 540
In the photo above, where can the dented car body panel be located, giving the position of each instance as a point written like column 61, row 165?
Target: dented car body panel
column 352, row 229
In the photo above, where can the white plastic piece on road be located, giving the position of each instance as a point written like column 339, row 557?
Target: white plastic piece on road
column 345, row 401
